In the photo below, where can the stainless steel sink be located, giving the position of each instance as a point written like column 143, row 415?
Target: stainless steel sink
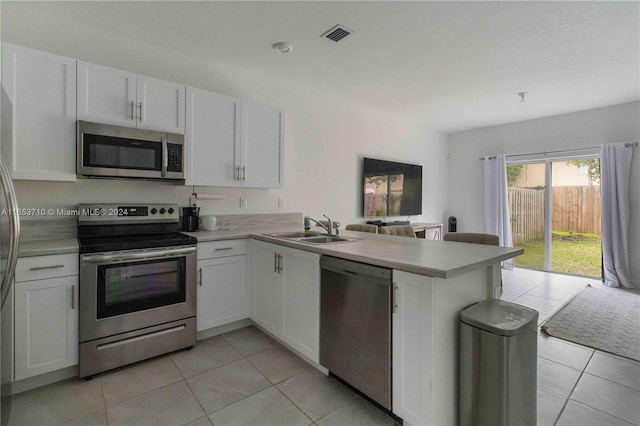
column 290, row 235
column 304, row 237
column 323, row 239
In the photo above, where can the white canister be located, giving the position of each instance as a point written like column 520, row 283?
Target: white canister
column 208, row 223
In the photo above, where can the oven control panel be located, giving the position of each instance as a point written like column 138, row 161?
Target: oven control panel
column 122, row 213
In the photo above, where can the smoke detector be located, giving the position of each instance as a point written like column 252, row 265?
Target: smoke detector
column 337, row 33
column 282, row 47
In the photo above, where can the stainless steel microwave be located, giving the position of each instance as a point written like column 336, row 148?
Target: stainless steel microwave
column 121, row 152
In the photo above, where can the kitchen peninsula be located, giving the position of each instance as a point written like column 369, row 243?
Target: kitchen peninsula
column 433, row 281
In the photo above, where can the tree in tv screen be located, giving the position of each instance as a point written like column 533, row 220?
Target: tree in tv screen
column 392, row 189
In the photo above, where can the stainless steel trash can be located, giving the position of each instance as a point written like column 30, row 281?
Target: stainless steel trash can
column 498, row 358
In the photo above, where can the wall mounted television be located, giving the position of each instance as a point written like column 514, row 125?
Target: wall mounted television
column 391, row 189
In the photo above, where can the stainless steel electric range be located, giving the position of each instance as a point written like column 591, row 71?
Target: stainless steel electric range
column 137, row 284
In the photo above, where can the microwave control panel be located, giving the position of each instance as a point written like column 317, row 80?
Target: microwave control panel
column 175, row 157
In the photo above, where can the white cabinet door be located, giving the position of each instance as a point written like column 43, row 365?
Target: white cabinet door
column 38, row 114
column 106, row 95
column 213, row 123
column 46, row 325
column 285, row 295
column 222, row 291
column 412, row 324
column 301, row 271
column 266, row 287
column 262, row 147
column 111, row 96
column 160, row 105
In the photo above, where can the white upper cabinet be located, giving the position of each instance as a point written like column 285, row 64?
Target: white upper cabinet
column 111, row 96
column 160, row 105
column 233, row 143
column 38, row 114
column 213, row 125
column 106, row 95
column 262, row 148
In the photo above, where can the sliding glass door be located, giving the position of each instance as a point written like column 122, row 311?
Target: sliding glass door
column 555, row 214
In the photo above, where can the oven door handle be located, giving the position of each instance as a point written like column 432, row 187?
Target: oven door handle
column 143, row 255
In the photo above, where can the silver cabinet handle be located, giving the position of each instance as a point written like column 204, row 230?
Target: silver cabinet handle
column 132, row 107
column 140, row 116
column 200, row 277
column 394, row 298
column 223, row 248
column 40, row 268
column 244, row 173
column 237, row 173
column 73, row 297
column 277, row 263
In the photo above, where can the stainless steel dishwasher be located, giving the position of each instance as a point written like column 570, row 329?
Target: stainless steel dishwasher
column 355, row 325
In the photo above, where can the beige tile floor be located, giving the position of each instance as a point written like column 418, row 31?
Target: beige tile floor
column 576, row 384
column 246, row 378
column 239, row 378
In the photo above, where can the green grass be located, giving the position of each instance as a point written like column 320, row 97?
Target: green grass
column 571, row 253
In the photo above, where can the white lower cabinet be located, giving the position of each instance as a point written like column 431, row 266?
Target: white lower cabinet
column 46, row 315
column 266, row 287
column 411, row 353
column 284, row 287
column 302, row 302
column 222, row 283
column 426, row 324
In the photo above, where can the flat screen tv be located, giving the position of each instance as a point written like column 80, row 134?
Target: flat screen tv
column 391, row 189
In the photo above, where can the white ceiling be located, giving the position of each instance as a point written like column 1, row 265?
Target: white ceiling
column 451, row 65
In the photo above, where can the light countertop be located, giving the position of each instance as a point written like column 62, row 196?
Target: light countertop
column 439, row 259
column 48, row 247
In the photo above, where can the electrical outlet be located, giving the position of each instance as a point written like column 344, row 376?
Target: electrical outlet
column 280, row 202
column 243, row 203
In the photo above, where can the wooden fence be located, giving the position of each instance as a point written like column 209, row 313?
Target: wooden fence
column 526, row 207
column 574, row 209
column 376, row 204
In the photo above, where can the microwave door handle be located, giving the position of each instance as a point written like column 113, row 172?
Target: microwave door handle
column 165, row 156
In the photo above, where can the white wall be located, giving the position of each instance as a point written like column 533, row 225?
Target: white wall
column 325, row 137
column 620, row 123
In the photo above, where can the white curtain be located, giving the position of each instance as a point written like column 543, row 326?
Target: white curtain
column 496, row 202
column 615, row 172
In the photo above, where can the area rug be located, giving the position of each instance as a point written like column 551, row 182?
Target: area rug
column 605, row 319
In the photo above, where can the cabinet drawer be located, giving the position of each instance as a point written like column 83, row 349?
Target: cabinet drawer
column 41, row 267
column 213, row 249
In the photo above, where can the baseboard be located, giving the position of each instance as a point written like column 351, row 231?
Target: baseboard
column 215, row 331
column 39, row 381
column 314, row 364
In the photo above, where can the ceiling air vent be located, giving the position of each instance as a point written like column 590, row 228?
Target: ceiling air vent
column 337, row 33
